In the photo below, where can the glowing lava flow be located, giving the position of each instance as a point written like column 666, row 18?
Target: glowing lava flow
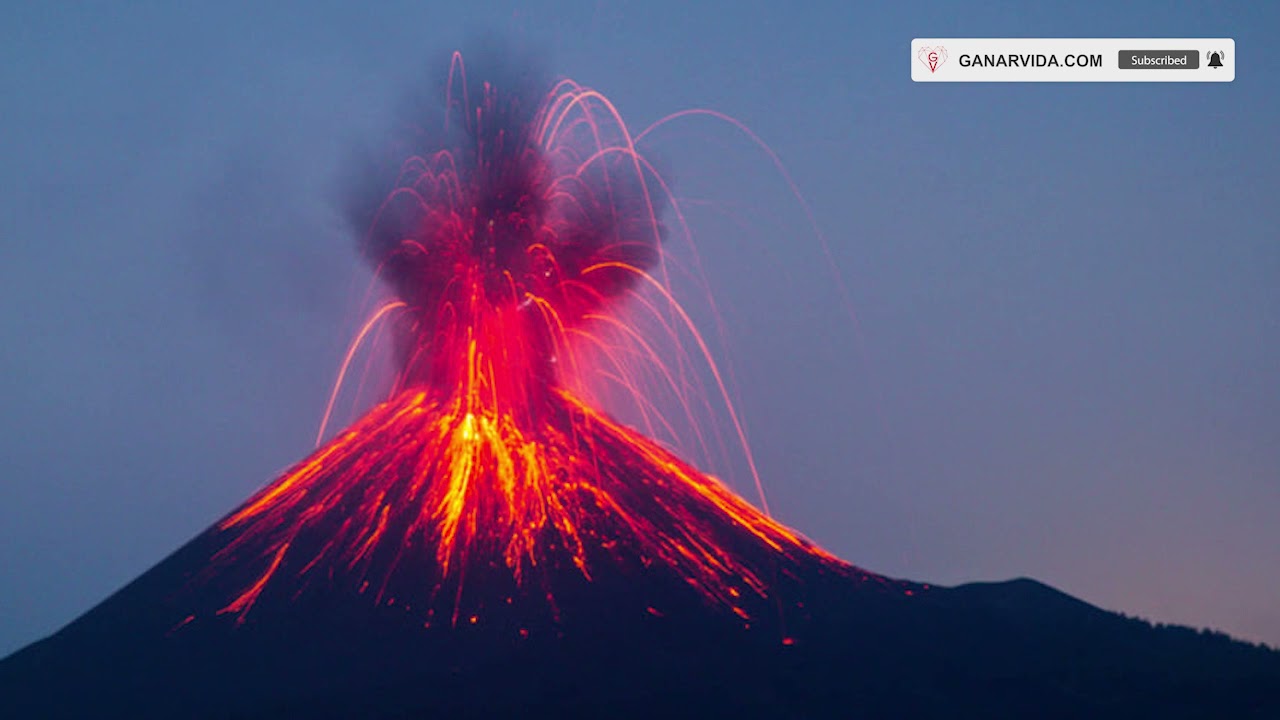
column 508, row 249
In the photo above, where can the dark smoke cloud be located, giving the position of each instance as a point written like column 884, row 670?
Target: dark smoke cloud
column 484, row 113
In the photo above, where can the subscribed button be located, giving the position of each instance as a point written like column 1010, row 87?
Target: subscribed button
column 1159, row 59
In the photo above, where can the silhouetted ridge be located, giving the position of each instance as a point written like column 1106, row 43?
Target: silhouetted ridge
column 841, row 646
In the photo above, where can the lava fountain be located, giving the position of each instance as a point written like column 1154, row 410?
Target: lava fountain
column 508, row 249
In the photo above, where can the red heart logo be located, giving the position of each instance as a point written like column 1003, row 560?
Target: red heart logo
column 932, row 57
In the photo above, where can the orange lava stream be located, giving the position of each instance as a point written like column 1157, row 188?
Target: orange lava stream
column 471, row 480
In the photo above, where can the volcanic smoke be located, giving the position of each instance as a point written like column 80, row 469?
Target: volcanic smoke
column 510, row 239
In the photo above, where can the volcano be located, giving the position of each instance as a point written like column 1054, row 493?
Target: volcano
column 488, row 542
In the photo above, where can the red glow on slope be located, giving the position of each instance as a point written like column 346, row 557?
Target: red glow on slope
column 509, row 257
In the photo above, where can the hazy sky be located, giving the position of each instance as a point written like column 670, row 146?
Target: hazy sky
column 1069, row 295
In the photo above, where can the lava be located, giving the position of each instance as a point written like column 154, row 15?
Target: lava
column 510, row 247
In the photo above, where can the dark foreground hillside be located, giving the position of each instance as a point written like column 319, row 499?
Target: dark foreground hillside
column 636, row 644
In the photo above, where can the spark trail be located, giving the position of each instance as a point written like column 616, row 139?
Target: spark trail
column 511, row 247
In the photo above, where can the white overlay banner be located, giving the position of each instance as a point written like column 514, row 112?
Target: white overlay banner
column 1073, row 60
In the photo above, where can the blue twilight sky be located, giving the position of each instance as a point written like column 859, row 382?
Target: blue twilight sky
column 1068, row 295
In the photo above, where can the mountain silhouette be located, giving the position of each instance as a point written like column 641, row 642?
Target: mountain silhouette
column 635, row 635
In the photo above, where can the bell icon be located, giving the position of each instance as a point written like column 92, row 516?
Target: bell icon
column 1215, row 59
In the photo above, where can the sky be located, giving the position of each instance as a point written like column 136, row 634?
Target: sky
column 1067, row 296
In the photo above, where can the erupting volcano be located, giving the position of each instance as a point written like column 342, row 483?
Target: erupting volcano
column 487, row 540
column 508, row 251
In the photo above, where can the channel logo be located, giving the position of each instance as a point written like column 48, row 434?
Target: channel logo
column 932, row 57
